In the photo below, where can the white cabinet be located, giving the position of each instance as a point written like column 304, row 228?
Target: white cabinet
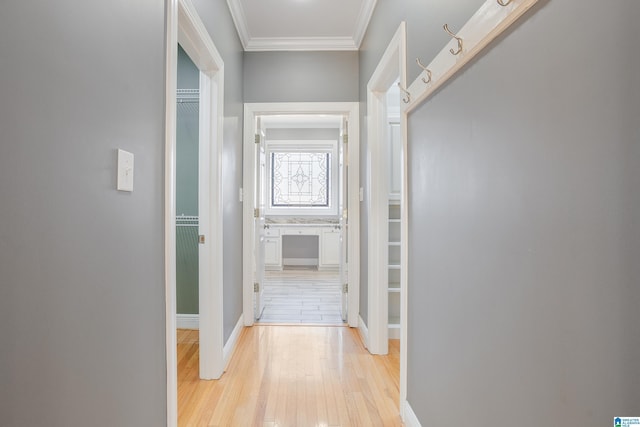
column 329, row 248
column 272, row 249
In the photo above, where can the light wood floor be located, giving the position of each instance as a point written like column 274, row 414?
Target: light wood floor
column 291, row 376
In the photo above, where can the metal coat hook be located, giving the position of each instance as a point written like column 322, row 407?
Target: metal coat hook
column 504, row 3
column 406, row 92
column 426, row 70
column 453, row 52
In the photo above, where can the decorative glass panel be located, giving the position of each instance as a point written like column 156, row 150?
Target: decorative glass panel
column 300, row 179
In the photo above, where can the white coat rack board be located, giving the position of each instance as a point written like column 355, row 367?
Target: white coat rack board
column 493, row 17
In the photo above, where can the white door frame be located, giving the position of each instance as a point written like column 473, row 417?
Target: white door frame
column 185, row 27
column 391, row 66
column 349, row 109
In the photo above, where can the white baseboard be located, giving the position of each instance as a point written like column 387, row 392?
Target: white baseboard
column 364, row 332
column 227, row 351
column 188, row 321
column 408, row 416
column 299, row 261
column 394, row 333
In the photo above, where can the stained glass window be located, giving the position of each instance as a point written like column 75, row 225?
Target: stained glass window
column 300, row 179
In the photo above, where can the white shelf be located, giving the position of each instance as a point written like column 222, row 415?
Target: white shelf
column 394, row 266
column 393, row 289
column 394, row 220
column 394, row 243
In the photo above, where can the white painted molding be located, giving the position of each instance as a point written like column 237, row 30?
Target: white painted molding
column 366, row 12
column 391, row 68
column 394, row 333
column 265, row 44
column 237, row 14
column 232, row 341
column 262, row 44
column 197, row 43
column 171, row 341
column 300, row 261
column 188, row 321
column 363, row 331
column 408, row 416
column 483, row 27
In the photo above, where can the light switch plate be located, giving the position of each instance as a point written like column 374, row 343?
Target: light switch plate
column 125, row 171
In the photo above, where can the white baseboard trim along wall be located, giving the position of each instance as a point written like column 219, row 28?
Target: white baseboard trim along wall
column 227, row 351
column 364, row 331
column 408, row 416
column 188, row 321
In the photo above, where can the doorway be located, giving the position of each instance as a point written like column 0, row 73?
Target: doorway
column 388, row 231
column 185, row 27
column 300, row 177
column 301, row 212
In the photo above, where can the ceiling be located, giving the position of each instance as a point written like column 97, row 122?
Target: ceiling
column 268, row 25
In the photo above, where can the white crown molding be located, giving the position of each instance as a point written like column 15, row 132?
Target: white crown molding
column 263, row 44
column 364, row 17
column 240, row 20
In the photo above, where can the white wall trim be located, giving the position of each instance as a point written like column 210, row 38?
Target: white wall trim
column 188, row 321
column 240, row 20
column 348, row 109
column 489, row 21
column 299, row 261
column 408, row 416
column 363, row 331
column 261, row 44
column 196, row 42
column 232, row 341
column 366, row 12
column 265, row 44
column 389, row 69
column 171, row 341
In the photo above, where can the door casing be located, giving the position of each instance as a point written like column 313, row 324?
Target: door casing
column 391, row 66
column 351, row 111
column 185, row 27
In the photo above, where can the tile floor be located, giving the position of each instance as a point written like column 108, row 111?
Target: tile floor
column 302, row 296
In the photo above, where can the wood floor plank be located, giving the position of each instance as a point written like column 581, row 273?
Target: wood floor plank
column 293, row 376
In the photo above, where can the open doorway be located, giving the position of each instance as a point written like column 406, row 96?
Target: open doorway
column 301, row 212
column 300, row 170
column 387, row 234
column 185, row 27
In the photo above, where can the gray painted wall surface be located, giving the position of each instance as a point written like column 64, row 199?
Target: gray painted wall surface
column 524, row 210
column 82, row 309
column 301, row 76
column 217, row 20
column 187, row 147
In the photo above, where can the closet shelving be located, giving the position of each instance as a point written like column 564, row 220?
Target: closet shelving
column 393, row 266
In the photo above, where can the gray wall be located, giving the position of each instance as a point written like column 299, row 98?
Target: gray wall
column 301, row 76
column 187, row 148
column 217, row 20
column 81, row 264
column 524, row 210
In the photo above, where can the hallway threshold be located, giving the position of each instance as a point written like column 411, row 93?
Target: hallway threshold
column 302, row 296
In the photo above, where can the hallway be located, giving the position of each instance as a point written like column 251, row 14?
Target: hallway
column 291, row 376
